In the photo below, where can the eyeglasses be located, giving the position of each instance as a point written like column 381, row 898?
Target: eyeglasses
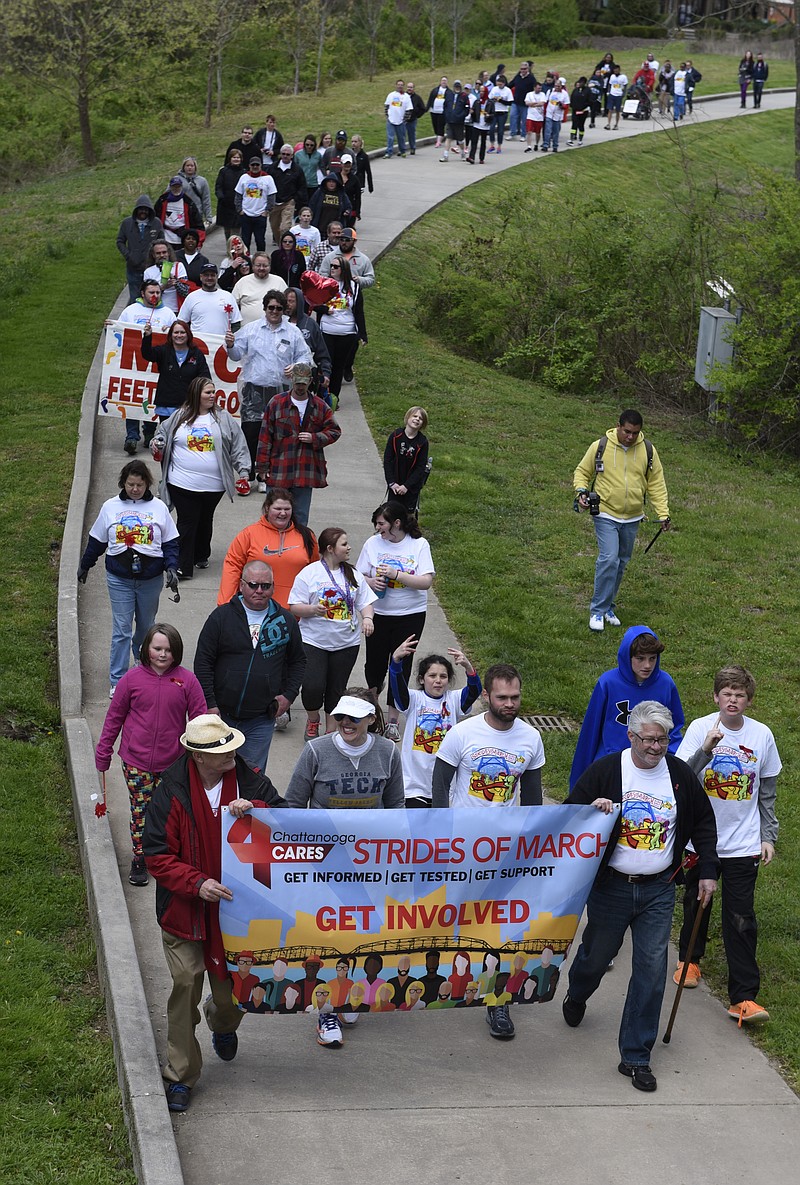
column 653, row 742
column 264, row 585
column 274, row 308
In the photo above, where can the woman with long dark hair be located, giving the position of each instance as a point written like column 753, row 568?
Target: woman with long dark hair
column 287, row 261
column 397, row 564
column 178, row 362
column 342, row 323
column 333, row 603
column 277, row 539
column 202, row 448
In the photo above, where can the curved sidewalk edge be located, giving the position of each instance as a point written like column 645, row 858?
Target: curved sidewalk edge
column 150, row 1134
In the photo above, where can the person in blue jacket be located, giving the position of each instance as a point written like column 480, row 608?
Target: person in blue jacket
column 636, row 677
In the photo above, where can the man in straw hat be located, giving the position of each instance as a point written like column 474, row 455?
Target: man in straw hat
column 182, row 849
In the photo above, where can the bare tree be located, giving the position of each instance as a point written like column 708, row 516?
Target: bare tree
column 432, row 11
column 513, row 15
column 370, row 15
column 217, row 24
column 457, row 11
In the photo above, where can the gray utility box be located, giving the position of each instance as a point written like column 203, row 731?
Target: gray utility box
column 714, row 344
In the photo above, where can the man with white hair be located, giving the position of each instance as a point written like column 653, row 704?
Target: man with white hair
column 182, row 849
column 661, row 806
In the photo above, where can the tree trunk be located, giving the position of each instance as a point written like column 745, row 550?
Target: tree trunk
column 85, row 123
column 219, row 81
column 209, row 89
column 320, row 50
column 514, row 43
column 455, row 44
column 433, row 42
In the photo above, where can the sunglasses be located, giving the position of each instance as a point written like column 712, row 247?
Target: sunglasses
column 353, row 720
column 274, row 308
column 262, row 584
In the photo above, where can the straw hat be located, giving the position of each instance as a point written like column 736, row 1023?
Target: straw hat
column 210, row 734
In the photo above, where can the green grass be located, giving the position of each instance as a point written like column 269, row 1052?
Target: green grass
column 515, row 564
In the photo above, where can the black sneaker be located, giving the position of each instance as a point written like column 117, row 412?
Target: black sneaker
column 348, row 375
column 642, row 1077
column 573, row 1011
column 178, row 1096
column 130, row 447
column 225, row 1045
column 500, row 1023
column 138, row 873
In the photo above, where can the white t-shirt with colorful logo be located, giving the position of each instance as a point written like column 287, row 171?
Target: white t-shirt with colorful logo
column 490, row 761
column 341, row 625
column 409, row 555
column 647, row 840
column 732, row 778
column 194, row 464
column 397, row 105
column 428, row 721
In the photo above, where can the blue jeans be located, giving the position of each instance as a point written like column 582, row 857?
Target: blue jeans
column 516, row 120
column 301, row 498
column 258, row 738
column 678, row 106
column 498, row 127
column 615, row 905
column 134, row 279
column 552, row 130
column 614, row 547
column 254, row 226
column 392, row 130
column 130, row 598
column 411, row 128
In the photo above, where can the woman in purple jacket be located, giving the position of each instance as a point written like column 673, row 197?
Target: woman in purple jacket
column 151, row 705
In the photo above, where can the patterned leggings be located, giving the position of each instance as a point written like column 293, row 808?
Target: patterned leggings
column 141, row 785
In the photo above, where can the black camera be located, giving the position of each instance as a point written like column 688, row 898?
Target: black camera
column 594, row 503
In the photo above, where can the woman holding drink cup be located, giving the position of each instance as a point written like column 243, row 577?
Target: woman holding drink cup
column 396, row 562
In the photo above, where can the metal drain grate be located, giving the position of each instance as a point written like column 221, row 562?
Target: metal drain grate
column 552, row 723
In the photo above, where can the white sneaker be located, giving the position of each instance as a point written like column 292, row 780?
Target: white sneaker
column 612, row 619
column 282, row 721
column 328, row 1030
column 597, row 624
column 261, row 486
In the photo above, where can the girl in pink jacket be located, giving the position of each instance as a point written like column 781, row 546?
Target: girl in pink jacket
column 151, row 705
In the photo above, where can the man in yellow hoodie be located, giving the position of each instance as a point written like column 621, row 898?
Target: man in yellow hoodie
column 622, row 470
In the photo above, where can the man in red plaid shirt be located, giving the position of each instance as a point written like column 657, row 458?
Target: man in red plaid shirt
column 295, row 431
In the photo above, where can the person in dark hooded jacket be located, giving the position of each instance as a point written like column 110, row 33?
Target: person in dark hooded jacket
column 308, row 326
column 330, row 204
column 135, row 237
column 637, row 677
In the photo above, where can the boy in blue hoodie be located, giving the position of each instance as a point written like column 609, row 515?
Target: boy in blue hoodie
column 636, row 677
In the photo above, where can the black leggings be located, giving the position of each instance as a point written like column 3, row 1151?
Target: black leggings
column 389, row 632
column 477, row 134
column 342, row 348
column 195, row 513
column 326, row 676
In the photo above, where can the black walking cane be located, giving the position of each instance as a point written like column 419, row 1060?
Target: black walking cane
column 663, row 527
column 687, row 960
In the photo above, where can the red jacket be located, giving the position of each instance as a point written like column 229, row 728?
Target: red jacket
column 281, row 457
column 172, row 849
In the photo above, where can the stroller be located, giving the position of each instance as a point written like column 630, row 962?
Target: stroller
column 637, row 103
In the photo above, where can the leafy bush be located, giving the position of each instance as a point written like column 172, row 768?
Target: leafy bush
column 644, row 32
column 575, row 314
column 554, row 24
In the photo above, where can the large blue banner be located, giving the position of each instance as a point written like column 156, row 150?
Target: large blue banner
column 384, row 911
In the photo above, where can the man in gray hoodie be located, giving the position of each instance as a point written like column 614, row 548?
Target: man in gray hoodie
column 135, row 237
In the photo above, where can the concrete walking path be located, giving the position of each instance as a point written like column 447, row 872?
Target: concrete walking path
column 429, row 1098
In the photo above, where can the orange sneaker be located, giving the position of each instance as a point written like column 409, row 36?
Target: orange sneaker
column 693, row 975
column 747, row 1011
